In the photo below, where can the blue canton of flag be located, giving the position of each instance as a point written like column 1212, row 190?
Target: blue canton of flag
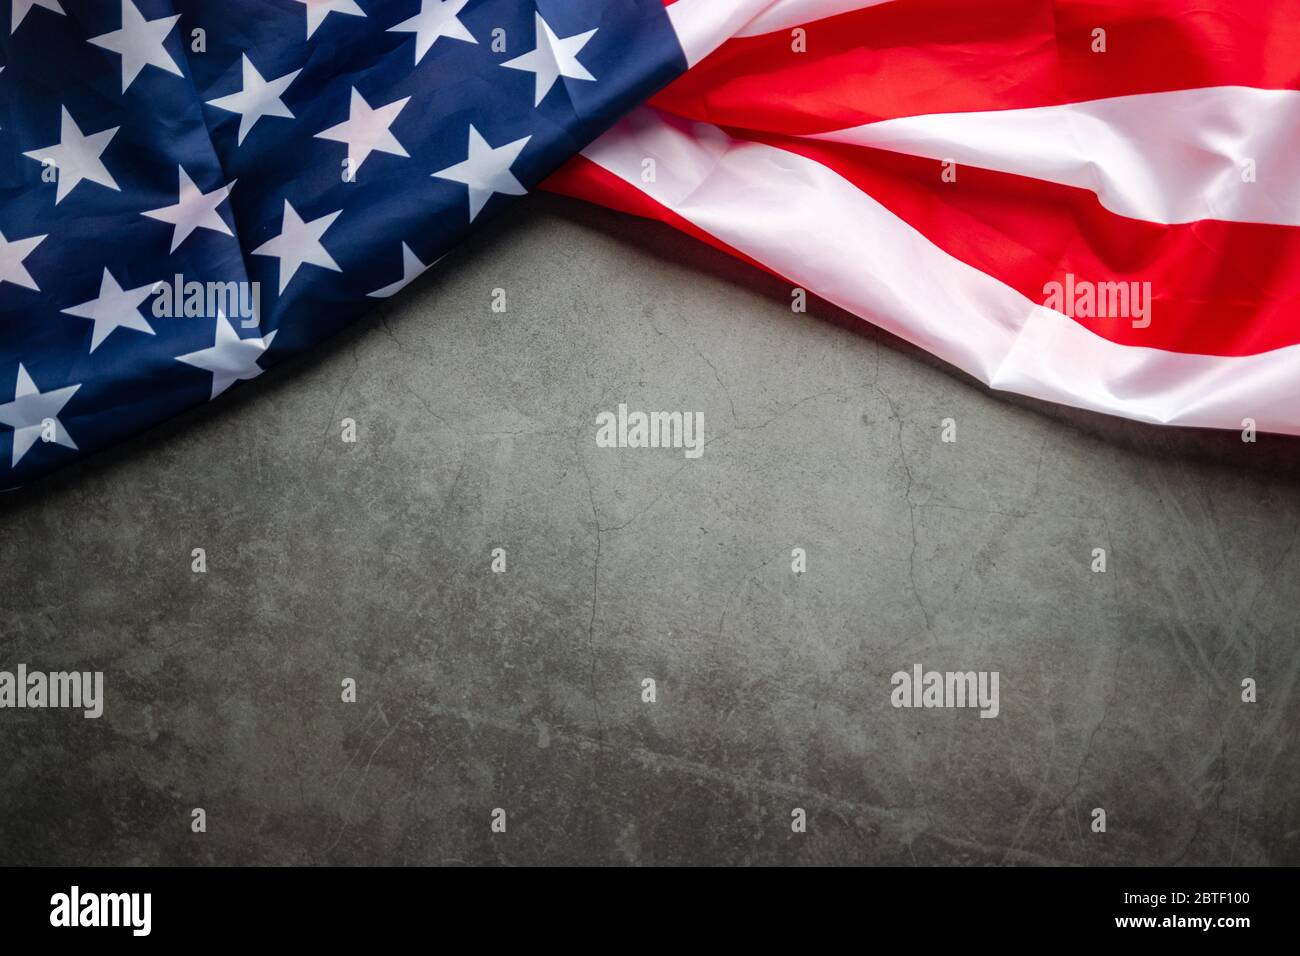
column 289, row 160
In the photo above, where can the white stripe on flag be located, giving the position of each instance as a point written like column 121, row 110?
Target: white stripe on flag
column 1168, row 157
column 786, row 14
column 807, row 223
column 704, row 25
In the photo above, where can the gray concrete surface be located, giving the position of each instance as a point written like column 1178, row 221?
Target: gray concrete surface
column 522, row 690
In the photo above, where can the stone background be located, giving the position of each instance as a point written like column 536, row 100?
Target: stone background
column 522, row 691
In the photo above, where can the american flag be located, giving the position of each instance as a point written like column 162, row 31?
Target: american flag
column 986, row 180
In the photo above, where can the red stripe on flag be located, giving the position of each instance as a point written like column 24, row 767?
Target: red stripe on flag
column 929, row 56
column 1219, row 288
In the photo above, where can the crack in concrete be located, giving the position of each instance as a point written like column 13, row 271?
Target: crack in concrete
column 742, row 782
column 736, row 587
column 595, row 591
column 718, row 377
column 1110, row 698
column 347, row 815
column 911, row 506
column 338, row 400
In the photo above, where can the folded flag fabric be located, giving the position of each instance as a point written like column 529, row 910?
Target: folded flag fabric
column 1093, row 202
column 1088, row 202
column 194, row 190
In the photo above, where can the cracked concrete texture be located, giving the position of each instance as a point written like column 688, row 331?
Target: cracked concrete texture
column 522, row 690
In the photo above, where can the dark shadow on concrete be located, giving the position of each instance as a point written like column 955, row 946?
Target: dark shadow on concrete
column 1274, row 455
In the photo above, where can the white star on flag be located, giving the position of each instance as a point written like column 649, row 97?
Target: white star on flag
column 194, row 209
column 140, row 43
column 318, row 10
column 486, row 170
column 29, row 412
column 12, row 255
column 116, row 308
column 553, row 58
column 437, row 18
column 230, row 359
column 367, row 130
column 23, row 7
column 76, row 156
column 256, row 99
column 299, row 244
column 412, row 269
